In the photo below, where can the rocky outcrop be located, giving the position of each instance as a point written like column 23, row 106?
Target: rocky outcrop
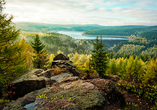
column 110, row 91
column 42, row 90
column 81, row 93
column 20, row 103
column 61, row 57
column 46, row 73
column 90, row 94
column 64, row 63
column 28, row 83
column 85, row 94
column 32, row 81
column 64, row 77
column 38, row 78
column 57, row 104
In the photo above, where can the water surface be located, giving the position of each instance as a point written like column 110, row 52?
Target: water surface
column 78, row 35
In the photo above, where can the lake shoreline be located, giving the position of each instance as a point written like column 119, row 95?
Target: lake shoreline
column 106, row 36
column 81, row 35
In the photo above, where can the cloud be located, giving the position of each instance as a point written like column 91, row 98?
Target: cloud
column 103, row 12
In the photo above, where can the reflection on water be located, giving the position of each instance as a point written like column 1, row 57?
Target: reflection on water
column 78, row 35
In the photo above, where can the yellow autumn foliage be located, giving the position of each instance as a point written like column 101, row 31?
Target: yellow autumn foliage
column 82, row 59
column 27, row 52
column 86, row 64
column 76, row 57
column 51, row 57
column 56, row 71
column 58, row 52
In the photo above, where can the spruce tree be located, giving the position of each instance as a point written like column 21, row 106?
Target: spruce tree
column 99, row 58
column 12, row 63
column 41, row 56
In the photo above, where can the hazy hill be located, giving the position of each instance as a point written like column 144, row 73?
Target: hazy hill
column 122, row 30
column 93, row 29
column 42, row 27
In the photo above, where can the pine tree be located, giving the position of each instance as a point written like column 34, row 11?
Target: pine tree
column 8, row 32
column 37, row 45
column 12, row 63
column 99, row 58
column 41, row 56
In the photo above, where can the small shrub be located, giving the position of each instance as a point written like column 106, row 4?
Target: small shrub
column 10, row 92
column 131, row 106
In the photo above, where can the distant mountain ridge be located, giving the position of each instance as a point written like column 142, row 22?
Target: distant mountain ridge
column 43, row 27
column 122, row 30
column 87, row 28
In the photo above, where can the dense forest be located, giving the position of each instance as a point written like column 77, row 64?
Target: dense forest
column 142, row 40
column 150, row 35
column 137, row 46
column 54, row 42
column 123, row 30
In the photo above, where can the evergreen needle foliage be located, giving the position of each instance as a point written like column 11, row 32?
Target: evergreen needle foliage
column 99, row 58
column 37, row 45
column 12, row 63
column 41, row 56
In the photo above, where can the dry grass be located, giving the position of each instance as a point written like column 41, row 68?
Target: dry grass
column 56, row 71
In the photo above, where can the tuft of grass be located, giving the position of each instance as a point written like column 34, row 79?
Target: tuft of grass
column 51, row 99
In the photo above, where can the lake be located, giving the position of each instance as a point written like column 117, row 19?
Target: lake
column 78, row 35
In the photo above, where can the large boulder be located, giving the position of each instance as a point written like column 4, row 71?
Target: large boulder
column 107, row 86
column 80, row 94
column 75, row 71
column 110, row 91
column 85, row 94
column 61, row 57
column 62, row 62
column 46, row 73
column 36, row 79
column 28, row 83
column 57, row 104
column 64, row 77
column 66, row 65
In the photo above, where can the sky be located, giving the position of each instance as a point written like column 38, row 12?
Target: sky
column 101, row 12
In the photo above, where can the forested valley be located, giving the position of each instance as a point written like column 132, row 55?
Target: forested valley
column 129, row 66
column 134, row 61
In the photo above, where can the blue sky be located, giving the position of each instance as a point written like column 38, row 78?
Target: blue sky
column 102, row 12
